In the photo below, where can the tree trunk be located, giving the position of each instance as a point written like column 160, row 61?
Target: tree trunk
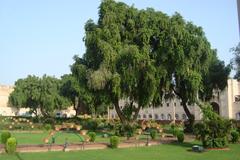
column 76, row 106
column 119, row 112
column 191, row 118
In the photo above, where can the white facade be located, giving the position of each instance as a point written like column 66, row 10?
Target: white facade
column 227, row 103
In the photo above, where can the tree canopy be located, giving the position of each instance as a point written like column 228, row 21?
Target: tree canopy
column 40, row 95
column 140, row 56
column 236, row 60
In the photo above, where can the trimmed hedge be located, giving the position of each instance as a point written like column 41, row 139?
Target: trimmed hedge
column 92, row 136
column 11, row 145
column 4, row 137
column 114, row 142
column 180, row 137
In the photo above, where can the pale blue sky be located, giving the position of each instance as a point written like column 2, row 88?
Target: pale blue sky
column 41, row 36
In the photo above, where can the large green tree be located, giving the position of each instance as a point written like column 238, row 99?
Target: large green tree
column 137, row 57
column 40, row 95
column 236, row 60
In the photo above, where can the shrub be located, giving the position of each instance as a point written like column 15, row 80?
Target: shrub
column 180, row 137
column 174, row 130
column 4, row 137
column 216, row 142
column 49, row 121
column 11, row 145
column 153, row 133
column 114, row 141
column 48, row 127
column 92, row 136
column 213, row 130
column 234, row 136
column 125, row 130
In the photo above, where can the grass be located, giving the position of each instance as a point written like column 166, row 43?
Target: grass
column 161, row 152
column 37, row 138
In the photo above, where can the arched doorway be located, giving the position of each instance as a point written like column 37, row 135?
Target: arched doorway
column 215, row 107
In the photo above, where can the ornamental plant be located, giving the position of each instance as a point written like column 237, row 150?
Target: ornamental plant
column 213, row 130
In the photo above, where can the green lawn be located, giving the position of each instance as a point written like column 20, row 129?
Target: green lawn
column 37, row 138
column 161, row 152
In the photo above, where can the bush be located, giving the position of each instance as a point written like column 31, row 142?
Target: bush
column 216, row 142
column 49, row 121
column 125, row 130
column 234, row 136
column 4, row 137
column 47, row 127
column 213, row 130
column 180, row 137
column 114, row 141
column 174, row 130
column 92, row 136
column 153, row 134
column 11, row 145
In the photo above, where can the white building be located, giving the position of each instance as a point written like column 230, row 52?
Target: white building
column 226, row 103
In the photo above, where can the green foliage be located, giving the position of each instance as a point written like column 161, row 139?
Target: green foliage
column 234, row 136
column 47, row 127
column 38, row 94
column 174, row 129
column 212, row 142
column 153, row 134
column 114, row 141
column 11, row 145
column 236, row 60
column 127, row 130
column 4, row 136
column 92, row 136
column 180, row 137
column 91, row 124
column 215, row 79
column 140, row 55
column 213, row 130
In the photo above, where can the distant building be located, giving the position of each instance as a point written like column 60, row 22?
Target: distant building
column 225, row 103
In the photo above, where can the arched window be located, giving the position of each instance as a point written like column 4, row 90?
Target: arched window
column 156, row 116
column 144, row 116
column 162, row 117
column 184, row 117
column 150, row 116
column 169, row 117
column 176, row 116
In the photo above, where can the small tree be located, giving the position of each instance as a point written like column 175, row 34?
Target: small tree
column 213, row 130
column 4, row 137
column 11, row 145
